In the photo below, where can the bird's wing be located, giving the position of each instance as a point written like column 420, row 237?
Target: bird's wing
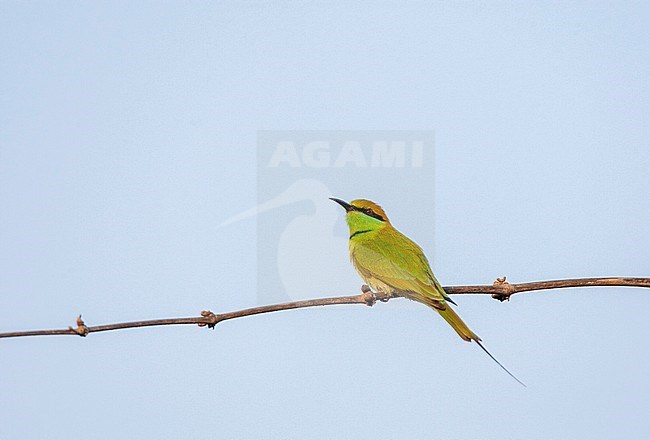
column 400, row 263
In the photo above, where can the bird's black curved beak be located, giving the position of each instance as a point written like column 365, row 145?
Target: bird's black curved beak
column 345, row 205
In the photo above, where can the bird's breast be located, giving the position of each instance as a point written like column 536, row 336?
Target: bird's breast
column 364, row 260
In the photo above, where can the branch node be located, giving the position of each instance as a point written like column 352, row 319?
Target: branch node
column 506, row 288
column 81, row 328
column 368, row 296
column 213, row 319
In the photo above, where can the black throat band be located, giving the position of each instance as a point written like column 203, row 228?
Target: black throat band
column 360, row 232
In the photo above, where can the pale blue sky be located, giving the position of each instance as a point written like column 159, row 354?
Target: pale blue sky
column 127, row 132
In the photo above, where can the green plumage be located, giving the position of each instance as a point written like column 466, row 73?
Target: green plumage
column 387, row 258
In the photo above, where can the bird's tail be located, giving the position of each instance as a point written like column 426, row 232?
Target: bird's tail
column 457, row 324
column 464, row 332
column 461, row 328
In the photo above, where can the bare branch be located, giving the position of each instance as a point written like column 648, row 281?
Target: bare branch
column 500, row 289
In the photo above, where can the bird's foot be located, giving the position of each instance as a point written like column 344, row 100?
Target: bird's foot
column 383, row 296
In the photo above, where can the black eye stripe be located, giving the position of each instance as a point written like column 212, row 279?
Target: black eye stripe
column 369, row 212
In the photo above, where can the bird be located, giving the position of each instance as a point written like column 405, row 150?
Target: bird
column 393, row 264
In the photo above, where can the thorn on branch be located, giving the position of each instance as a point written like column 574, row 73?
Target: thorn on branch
column 214, row 320
column 506, row 287
column 81, row 328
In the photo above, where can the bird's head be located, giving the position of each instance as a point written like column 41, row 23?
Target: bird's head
column 363, row 215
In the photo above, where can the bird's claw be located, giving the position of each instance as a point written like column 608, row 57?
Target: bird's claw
column 384, row 296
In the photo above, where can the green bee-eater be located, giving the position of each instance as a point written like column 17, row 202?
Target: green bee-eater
column 390, row 262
